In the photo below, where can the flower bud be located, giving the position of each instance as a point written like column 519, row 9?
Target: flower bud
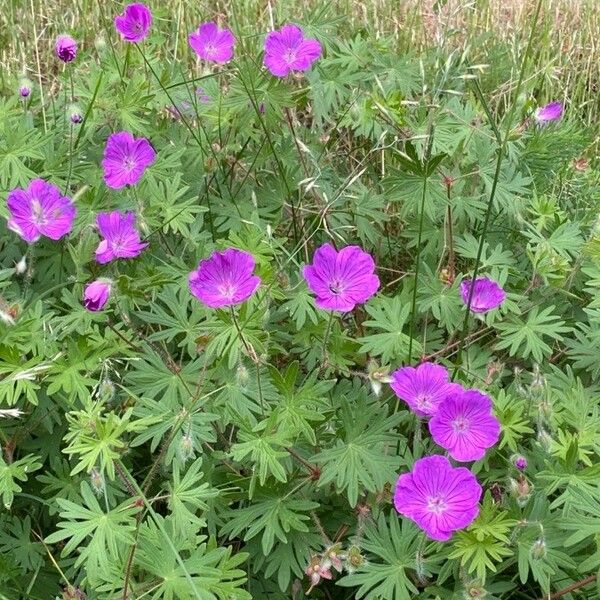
column 519, row 461
column 521, row 489
column 186, row 447
column 25, row 88
column 65, row 48
column 21, row 266
column 96, row 294
column 75, row 114
column 538, row 550
column 97, row 481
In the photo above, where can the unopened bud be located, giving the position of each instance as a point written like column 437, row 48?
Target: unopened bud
column 538, row 550
column 21, row 266
column 519, row 461
column 186, row 447
column 97, row 481
column 521, row 489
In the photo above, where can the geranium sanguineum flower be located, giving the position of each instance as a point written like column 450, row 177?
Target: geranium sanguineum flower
column 487, row 294
column 424, row 387
column 343, row 279
column 41, row 209
column 121, row 238
column 125, row 159
column 465, row 426
column 439, row 498
column 211, row 43
column 288, row 50
column 96, row 294
column 65, row 48
column 134, row 23
column 550, row 112
column 225, row 278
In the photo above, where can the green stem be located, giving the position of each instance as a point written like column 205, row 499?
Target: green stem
column 326, row 340
column 501, row 153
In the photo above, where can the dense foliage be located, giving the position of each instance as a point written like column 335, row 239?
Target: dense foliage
column 163, row 449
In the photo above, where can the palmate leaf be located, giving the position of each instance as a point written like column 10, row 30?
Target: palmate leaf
column 387, row 315
column 109, row 533
column 387, row 574
column 527, row 337
column 12, row 472
column 272, row 515
column 17, row 540
column 360, row 460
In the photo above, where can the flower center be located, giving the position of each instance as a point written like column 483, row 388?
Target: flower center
column 336, row 287
column 129, row 164
column 37, row 212
column 436, row 504
column 210, row 49
column 423, row 401
column 460, row 425
column 289, row 56
column 227, row 290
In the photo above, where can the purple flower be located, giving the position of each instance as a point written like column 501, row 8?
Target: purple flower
column 25, row 88
column 211, row 43
column 39, row 210
column 520, row 462
column 439, row 498
column 487, row 294
column 134, row 23
column 125, row 159
column 224, row 279
column 551, row 112
column 288, row 50
column 96, row 294
column 121, row 238
column 65, row 48
column 465, row 426
column 424, row 387
column 75, row 115
column 343, row 279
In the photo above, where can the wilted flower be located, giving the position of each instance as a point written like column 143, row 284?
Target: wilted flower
column 211, row 43
column 550, row 112
column 465, row 426
column 41, row 209
column 21, row 266
column 343, row 279
column 332, row 558
column 125, row 159
column 121, row 238
column 134, row 23
column 423, row 387
column 521, row 489
column 487, row 294
column 354, row 559
column 96, row 294
column 288, row 50
column 439, row 498
column 65, row 48
column 316, row 571
column 224, row 279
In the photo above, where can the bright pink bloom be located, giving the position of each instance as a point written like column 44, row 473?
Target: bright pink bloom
column 288, row 50
column 551, row 112
column 465, row 425
column 487, row 294
column 224, row 279
column 121, row 238
column 134, row 23
column 96, row 294
column 41, row 209
column 211, row 43
column 424, row 387
column 439, row 498
column 125, row 159
column 65, row 48
column 343, row 279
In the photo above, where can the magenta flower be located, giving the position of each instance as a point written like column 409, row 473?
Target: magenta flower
column 224, row 279
column 439, row 498
column 465, row 426
column 134, row 23
column 211, row 43
column 65, row 48
column 343, row 279
column 424, row 387
column 39, row 210
column 520, row 462
column 288, row 50
column 121, row 238
column 487, row 294
column 96, row 294
column 551, row 112
column 25, row 88
column 125, row 159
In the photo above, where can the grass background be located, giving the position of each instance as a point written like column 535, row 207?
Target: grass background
column 490, row 33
